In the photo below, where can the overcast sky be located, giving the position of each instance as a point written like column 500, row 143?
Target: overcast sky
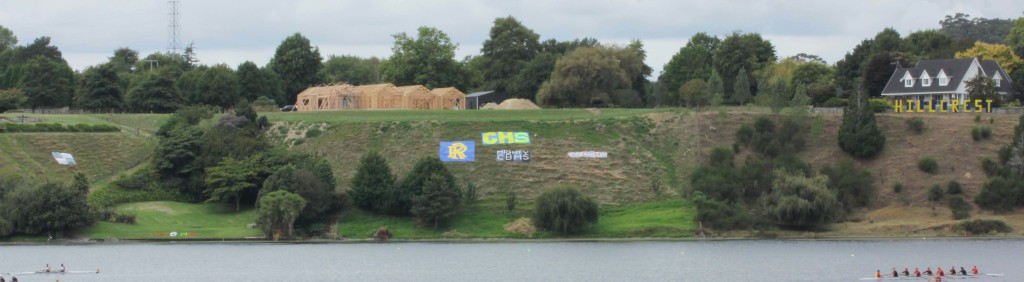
column 231, row 32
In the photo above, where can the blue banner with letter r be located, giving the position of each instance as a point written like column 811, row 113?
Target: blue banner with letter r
column 457, row 151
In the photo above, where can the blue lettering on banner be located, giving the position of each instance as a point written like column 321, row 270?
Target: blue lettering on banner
column 457, row 151
column 513, row 155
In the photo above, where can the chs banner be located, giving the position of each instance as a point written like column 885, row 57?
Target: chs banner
column 458, row 151
column 513, row 155
column 493, row 138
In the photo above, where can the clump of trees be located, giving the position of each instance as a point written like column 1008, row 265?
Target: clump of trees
column 1005, row 185
column 428, row 192
column 565, row 210
column 46, row 208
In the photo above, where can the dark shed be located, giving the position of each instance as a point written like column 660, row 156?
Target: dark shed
column 476, row 99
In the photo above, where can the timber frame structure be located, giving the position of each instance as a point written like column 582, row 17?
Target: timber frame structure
column 379, row 96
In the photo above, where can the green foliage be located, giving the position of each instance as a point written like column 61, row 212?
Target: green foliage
column 984, row 88
column 691, row 94
column 802, row 202
column 412, row 184
column 47, row 83
column 254, row 82
column 721, row 215
column 954, row 188
column 859, row 135
column 588, row 76
column 879, row 68
column 373, row 183
column 693, row 61
column 313, row 180
column 216, row 86
column 7, row 39
column 928, row 164
column 764, row 138
column 929, row 44
column 56, row 127
column 935, row 194
column 297, row 65
column 506, row 52
column 472, row 193
column 916, row 124
column 976, row 133
column 983, row 226
column 774, row 94
column 510, row 201
column 565, row 210
column 742, row 88
column 11, row 98
column 851, row 66
column 880, row 105
column 350, row 69
column 230, row 178
column 897, row 187
column 428, row 60
column 836, row 102
column 853, row 187
column 100, row 89
column 154, row 92
column 1001, row 193
column 277, row 213
column 746, row 51
column 43, row 208
column 985, row 132
column 437, row 202
column 960, row 208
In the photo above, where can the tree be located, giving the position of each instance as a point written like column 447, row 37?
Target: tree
column 254, row 82
column 297, row 65
column 887, row 40
column 802, row 202
column 313, row 180
column 506, row 52
column 100, row 89
column 373, row 183
column 693, row 61
column 690, row 94
column 962, row 27
column 565, row 210
column 984, row 88
column 277, row 213
column 639, row 73
column 810, row 73
column 124, row 59
column 935, row 195
column 738, row 51
column 10, row 99
column 154, row 92
column 879, row 69
column 350, row 69
column 587, row 76
column 996, row 52
column 775, row 94
column 438, row 201
column 412, row 184
column 851, row 66
column 48, row 207
column 853, row 187
column 229, row 179
column 47, row 83
column 859, row 135
column 7, row 39
column 428, row 60
column 742, row 88
column 216, row 86
column 1015, row 39
column 928, row 45
column 715, row 92
column 529, row 80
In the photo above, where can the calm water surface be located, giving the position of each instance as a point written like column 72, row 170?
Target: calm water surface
column 753, row 260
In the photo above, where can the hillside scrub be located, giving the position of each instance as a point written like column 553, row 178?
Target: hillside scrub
column 565, row 210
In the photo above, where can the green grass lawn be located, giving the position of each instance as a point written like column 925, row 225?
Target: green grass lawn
column 444, row 115
column 156, row 220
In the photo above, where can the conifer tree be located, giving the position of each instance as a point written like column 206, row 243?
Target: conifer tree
column 859, row 135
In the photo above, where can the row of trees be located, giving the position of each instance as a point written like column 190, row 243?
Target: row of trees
column 47, row 208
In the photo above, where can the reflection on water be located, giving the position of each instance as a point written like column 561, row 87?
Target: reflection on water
column 745, row 260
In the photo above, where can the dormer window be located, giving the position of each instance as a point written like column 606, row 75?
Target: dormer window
column 998, row 79
column 908, row 80
column 943, row 79
column 925, row 79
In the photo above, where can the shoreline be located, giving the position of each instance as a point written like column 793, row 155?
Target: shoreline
column 254, row 241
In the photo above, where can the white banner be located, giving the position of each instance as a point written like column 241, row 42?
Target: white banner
column 589, row 154
column 63, row 158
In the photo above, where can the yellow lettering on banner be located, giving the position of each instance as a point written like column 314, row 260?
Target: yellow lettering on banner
column 490, row 138
column 898, row 106
column 953, row 106
column 931, row 106
column 522, row 138
column 505, row 138
column 989, row 105
column 457, row 151
column 977, row 106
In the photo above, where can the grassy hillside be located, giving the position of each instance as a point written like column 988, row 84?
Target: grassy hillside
column 156, row 220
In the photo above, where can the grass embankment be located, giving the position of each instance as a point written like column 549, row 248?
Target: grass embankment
column 156, row 220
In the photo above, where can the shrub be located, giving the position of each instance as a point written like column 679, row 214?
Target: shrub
column 1001, row 194
column 991, row 120
column 897, row 188
column 510, row 200
column 437, row 201
column 313, row 132
column 880, row 105
column 565, row 210
column 835, row 102
column 980, row 226
column 916, row 124
column 954, row 188
column 471, row 193
column 372, row 183
column 859, row 134
column 721, row 215
column 977, row 118
column 976, row 134
column 853, row 187
column 802, row 202
column 961, row 209
column 928, row 164
column 986, row 132
column 935, row 194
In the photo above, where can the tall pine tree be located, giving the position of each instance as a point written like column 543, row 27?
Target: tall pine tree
column 859, row 134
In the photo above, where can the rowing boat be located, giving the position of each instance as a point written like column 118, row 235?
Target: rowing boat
column 925, row 278
column 44, row 272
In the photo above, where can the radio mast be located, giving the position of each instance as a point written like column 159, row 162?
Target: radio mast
column 173, row 28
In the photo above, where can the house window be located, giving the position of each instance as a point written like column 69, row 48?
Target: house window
column 997, row 79
column 926, row 81
column 908, row 82
column 943, row 79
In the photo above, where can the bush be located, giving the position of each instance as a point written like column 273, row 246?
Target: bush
column 835, row 102
column 565, row 210
column 1001, row 194
column 853, row 187
column 928, row 164
column 472, row 193
column 983, row 132
column 935, row 194
column 880, row 105
column 979, row 226
column 916, row 124
column 961, row 209
column 977, row 118
column 897, row 188
column 954, row 188
column 313, row 132
column 372, row 183
column 437, row 202
column 976, row 134
column 56, row 127
column 859, row 134
column 721, row 215
column 986, row 132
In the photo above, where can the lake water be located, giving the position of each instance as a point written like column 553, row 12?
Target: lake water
column 742, row 260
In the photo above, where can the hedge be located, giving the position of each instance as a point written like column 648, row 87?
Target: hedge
column 56, row 127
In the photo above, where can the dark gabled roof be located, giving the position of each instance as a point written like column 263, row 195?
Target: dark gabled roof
column 991, row 69
column 954, row 69
column 478, row 94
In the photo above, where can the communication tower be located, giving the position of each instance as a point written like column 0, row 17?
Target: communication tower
column 173, row 28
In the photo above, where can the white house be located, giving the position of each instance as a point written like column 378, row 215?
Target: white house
column 931, row 82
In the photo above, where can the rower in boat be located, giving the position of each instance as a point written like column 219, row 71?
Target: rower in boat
column 906, row 272
column 62, row 269
column 894, row 273
column 917, row 272
column 974, row 270
column 2, row 279
column 878, row 273
column 962, row 271
column 941, row 273
column 928, row 271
